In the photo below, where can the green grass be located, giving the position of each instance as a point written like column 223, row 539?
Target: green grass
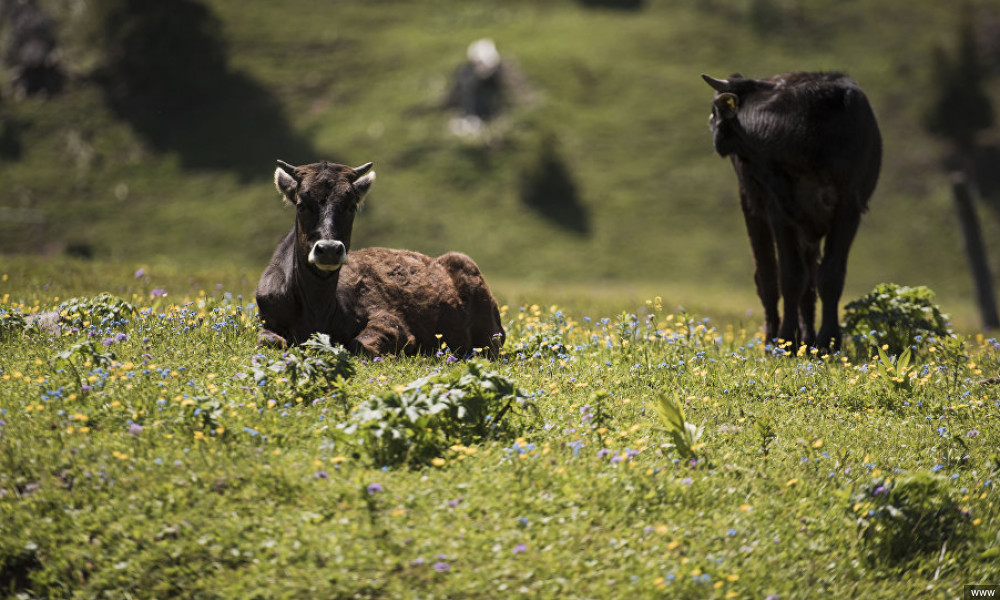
column 167, row 473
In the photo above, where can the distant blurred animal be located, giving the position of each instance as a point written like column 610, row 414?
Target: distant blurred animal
column 30, row 48
column 374, row 301
column 807, row 152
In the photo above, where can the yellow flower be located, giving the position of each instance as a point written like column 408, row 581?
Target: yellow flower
column 791, row 482
column 438, row 462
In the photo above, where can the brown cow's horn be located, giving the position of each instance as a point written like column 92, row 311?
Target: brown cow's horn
column 359, row 171
column 719, row 85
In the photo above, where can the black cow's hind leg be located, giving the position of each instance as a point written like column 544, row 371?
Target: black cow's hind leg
column 807, row 306
column 833, row 271
column 793, row 282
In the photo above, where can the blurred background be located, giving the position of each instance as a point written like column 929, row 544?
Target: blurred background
column 559, row 143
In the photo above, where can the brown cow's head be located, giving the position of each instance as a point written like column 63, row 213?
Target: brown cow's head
column 326, row 197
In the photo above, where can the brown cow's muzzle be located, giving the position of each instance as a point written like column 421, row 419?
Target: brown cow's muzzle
column 328, row 255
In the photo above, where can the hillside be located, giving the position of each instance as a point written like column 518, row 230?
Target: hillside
column 615, row 93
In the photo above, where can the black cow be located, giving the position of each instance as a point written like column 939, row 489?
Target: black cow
column 807, row 152
column 376, row 300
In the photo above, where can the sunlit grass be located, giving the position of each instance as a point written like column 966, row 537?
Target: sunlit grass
column 139, row 455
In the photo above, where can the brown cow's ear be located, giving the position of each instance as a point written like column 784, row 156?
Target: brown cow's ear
column 286, row 184
column 727, row 105
column 363, row 184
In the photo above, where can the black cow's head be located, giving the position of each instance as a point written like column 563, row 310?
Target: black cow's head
column 730, row 96
column 326, row 197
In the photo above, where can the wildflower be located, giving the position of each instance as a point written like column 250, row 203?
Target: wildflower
column 374, row 488
column 140, row 273
column 972, row 433
column 687, row 481
column 879, row 491
column 937, row 467
column 442, row 567
column 942, row 430
column 321, row 475
column 731, row 532
column 519, row 548
column 135, row 429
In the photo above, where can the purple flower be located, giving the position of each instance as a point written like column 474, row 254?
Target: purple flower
column 731, row 532
column 442, row 567
column 451, row 359
column 576, row 445
column 879, row 491
column 135, row 429
column 937, row 467
column 603, row 452
column 416, row 562
column 140, row 273
column 321, row 475
column 157, row 292
column 374, row 488
column 687, row 481
column 972, row 433
column 520, row 548
column 118, row 337
column 455, row 502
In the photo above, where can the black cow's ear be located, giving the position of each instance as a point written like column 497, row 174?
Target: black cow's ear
column 285, row 181
column 727, row 105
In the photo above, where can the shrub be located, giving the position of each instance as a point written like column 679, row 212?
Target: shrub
column 309, row 370
column 894, row 315
column 11, row 323
column 104, row 310
column 901, row 519
column 419, row 422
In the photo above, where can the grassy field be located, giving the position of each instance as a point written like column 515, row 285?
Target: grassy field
column 157, row 453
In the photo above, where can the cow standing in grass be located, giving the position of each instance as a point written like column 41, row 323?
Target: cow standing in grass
column 373, row 301
column 807, row 151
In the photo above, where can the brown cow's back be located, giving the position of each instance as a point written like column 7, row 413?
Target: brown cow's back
column 408, row 299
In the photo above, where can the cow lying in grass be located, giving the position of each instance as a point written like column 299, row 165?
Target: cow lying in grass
column 373, row 301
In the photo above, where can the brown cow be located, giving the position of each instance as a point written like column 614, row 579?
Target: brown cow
column 373, row 301
column 807, row 151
